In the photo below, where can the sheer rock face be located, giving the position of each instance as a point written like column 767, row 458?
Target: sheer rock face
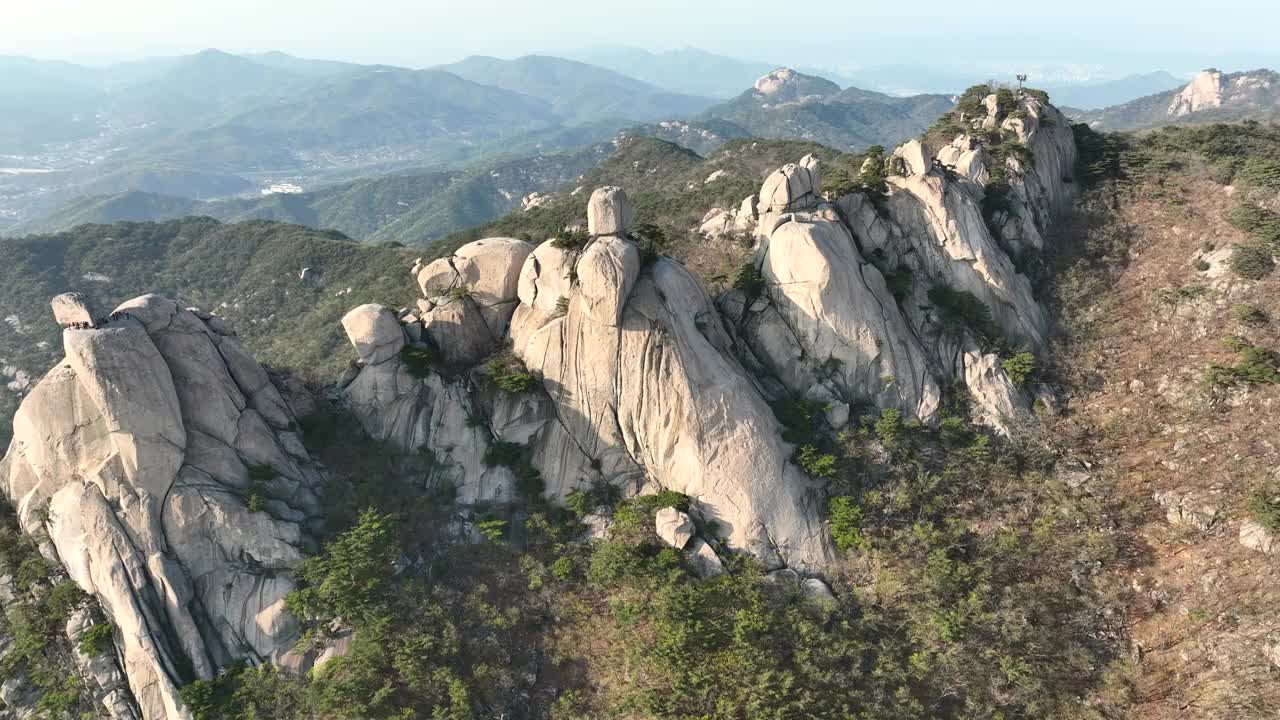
column 831, row 323
column 660, row 400
column 134, row 454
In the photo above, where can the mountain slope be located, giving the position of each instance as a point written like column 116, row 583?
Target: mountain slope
column 410, row 209
column 1113, row 92
column 577, row 91
column 1167, row 297
column 1212, row 96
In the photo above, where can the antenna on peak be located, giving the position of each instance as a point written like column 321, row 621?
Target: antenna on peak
column 1022, row 78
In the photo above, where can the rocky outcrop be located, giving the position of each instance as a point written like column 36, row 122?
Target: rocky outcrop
column 784, row 86
column 167, row 472
column 72, row 309
column 1203, row 92
column 827, row 325
column 642, row 378
column 609, row 212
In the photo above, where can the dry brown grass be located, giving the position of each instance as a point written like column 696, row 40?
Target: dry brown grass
column 1201, row 607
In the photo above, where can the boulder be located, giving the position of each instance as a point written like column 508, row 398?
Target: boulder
column 706, row 563
column 457, row 329
column 546, row 277
column 609, row 212
column 1198, row 509
column 72, row 309
column 606, row 273
column 375, row 332
column 1256, row 537
column 673, row 527
column 486, row 271
column 815, row 590
column 915, row 156
column 795, row 186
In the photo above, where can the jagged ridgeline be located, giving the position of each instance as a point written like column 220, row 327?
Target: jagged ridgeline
column 168, row 475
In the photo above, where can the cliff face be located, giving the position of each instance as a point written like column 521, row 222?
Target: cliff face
column 165, row 470
column 168, row 474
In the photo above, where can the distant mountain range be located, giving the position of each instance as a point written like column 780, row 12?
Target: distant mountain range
column 411, row 209
column 1212, row 96
column 690, row 70
column 390, row 154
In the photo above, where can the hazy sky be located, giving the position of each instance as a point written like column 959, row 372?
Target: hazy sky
column 831, row 33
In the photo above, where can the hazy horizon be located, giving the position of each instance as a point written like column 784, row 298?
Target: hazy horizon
column 414, row 34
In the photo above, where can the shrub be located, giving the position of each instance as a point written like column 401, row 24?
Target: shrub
column 1040, row 95
column 960, row 310
column 571, row 240
column 1186, row 293
column 1265, row 509
column 62, row 599
column 837, row 183
column 562, row 306
column 349, row 579
column 749, row 280
column 845, row 517
column 816, row 463
column 1019, row 368
column 1261, row 172
column 1261, row 223
column 417, row 360
column 1252, row 261
column 96, row 640
column 1251, row 315
column 563, row 568
column 889, row 428
column 504, row 453
column 652, row 241
column 611, row 562
column 799, row 418
column 201, row 698
column 529, row 482
column 510, row 374
column 1255, row 366
column 899, row 282
column 33, row 571
column 495, row 531
column 1201, row 265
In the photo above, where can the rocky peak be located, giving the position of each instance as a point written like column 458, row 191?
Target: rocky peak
column 1203, row 92
column 784, row 85
column 154, row 452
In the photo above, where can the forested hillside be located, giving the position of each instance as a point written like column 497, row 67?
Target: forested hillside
column 248, row 272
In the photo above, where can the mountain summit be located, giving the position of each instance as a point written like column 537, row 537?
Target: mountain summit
column 1211, row 96
column 785, row 85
